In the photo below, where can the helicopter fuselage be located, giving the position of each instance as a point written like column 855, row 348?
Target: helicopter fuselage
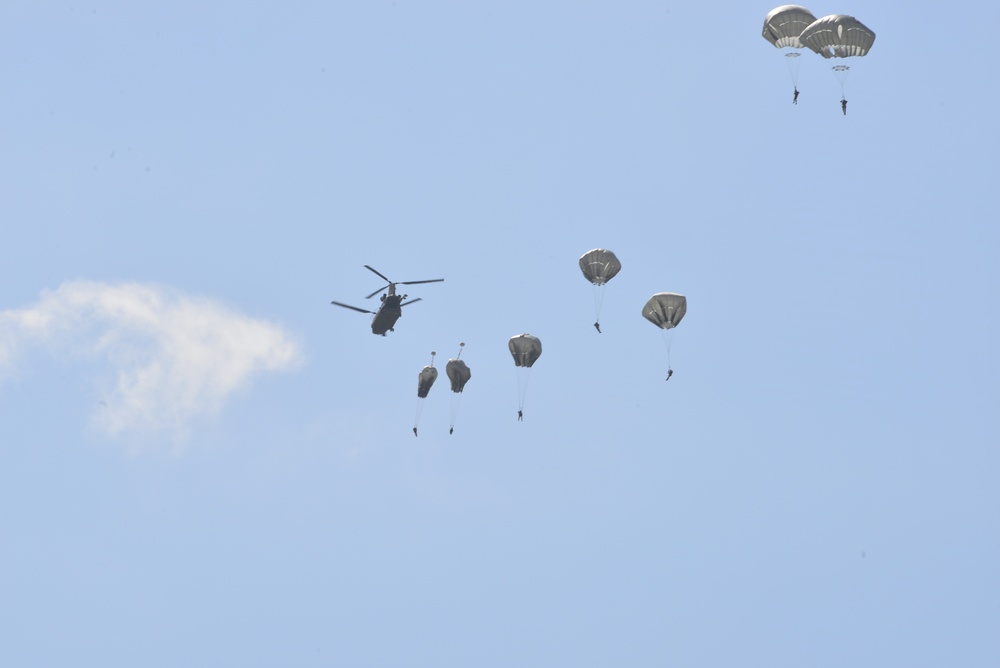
column 387, row 315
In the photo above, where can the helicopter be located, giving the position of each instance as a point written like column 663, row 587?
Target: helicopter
column 391, row 309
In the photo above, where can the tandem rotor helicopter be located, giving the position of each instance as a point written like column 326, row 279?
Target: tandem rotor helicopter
column 391, row 309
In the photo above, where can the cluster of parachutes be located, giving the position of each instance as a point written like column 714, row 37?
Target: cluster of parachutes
column 787, row 26
column 833, row 36
column 458, row 373
column 663, row 309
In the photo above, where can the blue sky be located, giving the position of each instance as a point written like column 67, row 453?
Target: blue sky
column 205, row 463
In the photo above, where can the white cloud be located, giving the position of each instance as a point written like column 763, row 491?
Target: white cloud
column 172, row 358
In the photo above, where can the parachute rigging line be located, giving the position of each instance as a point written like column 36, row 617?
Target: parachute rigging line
column 841, row 71
column 668, row 340
column 793, row 67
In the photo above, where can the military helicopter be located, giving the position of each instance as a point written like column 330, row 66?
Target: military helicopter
column 391, row 309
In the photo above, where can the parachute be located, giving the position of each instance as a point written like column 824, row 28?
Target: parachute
column 425, row 379
column 459, row 374
column 782, row 27
column 838, row 36
column 599, row 266
column 525, row 349
column 665, row 310
column 784, row 24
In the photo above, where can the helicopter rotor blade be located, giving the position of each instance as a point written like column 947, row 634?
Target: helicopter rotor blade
column 411, row 301
column 432, row 280
column 377, row 273
column 377, row 291
column 353, row 308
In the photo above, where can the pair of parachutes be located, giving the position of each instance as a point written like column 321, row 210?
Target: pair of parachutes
column 664, row 309
column 458, row 373
column 833, row 36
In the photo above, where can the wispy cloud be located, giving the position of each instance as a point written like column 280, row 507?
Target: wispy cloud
column 171, row 357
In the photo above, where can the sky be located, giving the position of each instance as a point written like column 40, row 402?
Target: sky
column 203, row 462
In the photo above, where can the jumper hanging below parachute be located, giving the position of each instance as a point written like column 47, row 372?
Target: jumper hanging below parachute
column 599, row 266
column 839, row 36
column 665, row 310
column 425, row 379
column 782, row 27
column 525, row 349
column 459, row 374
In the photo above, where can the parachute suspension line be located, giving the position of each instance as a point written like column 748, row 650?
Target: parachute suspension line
column 523, row 375
column 793, row 62
column 456, row 398
column 460, row 347
column 416, row 418
column 598, row 303
column 668, row 340
column 841, row 71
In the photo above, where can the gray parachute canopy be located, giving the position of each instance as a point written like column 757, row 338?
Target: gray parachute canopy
column 784, row 24
column 599, row 266
column 525, row 349
column 425, row 379
column 458, row 373
column 838, row 36
column 665, row 309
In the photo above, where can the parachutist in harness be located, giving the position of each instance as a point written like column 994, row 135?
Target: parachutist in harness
column 459, row 374
column 843, row 105
column 670, row 372
column 599, row 266
column 414, row 431
column 795, row 97
column 525, row 349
